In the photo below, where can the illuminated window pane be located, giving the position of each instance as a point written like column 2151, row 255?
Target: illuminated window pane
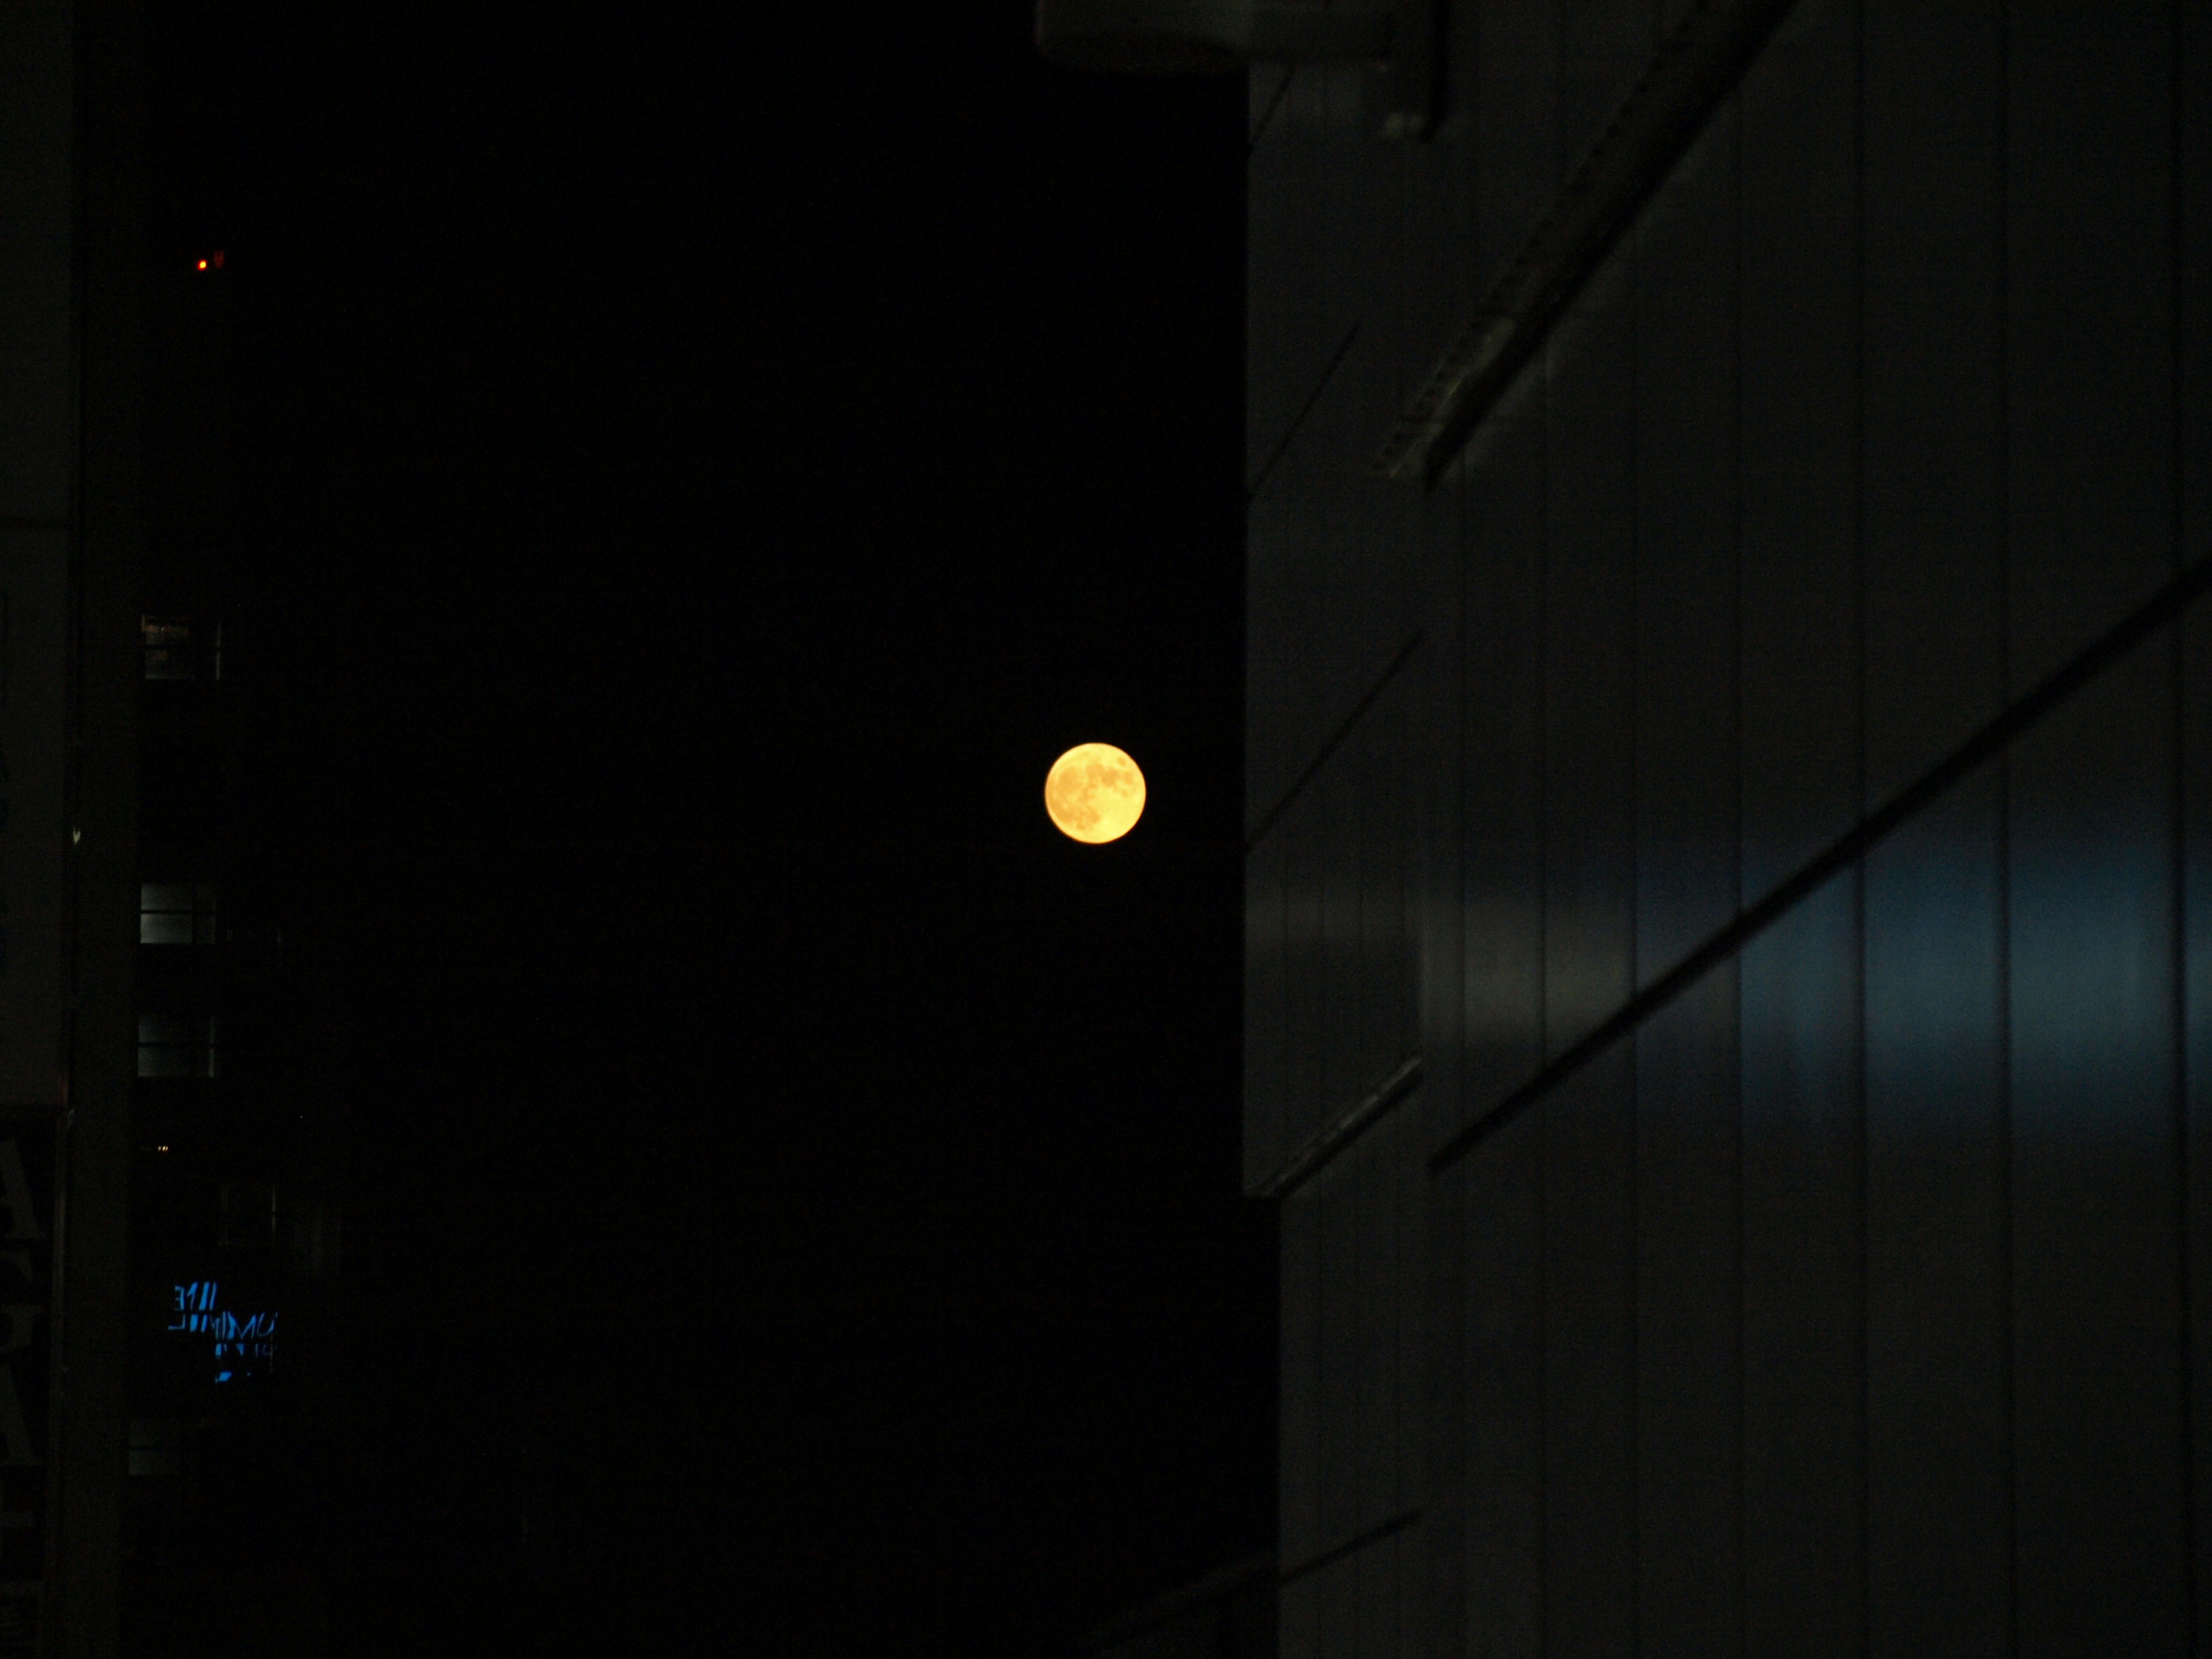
column 176, row 912
column 181, row 648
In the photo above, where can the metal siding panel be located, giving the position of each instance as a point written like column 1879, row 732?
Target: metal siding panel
column 1605, row 46
column 1370, row 784
column 1408, row 1443
column 1270, row 643
column 1378, row 1302
column 1378, row 1600
column 1589, row 666
column 1363, row 519
column 1938, row 1413
column 1689, row 1439
column 1299, row 1622
column 1375, row 375
column 1273, row 291
column 1303, row 197
column 2099, row 1447
column 1517, row 149
column 1686, row 557
column 1688, row 1367
column 1443, row 1541
column 1436, row 1564
column 1590, row 1361
column 2089, row 301
column 2194, row 284
column 1588, row 1127
column 1337, row 1591
column 1504, row 1604
column 1390, row 1033
column 1440, row 780
column 1803, row 1429
column 2196, row 737
column 1503, row 858
column 1344, row 1005
column 1263, row 84
column 1443, row 263
column 1336, row 1195
column 1933, row 426
column 1266, row 1012
column 1346, row 652
column 1307, row 551
column 1410, row 961
column 1301, row 829
column 1938, row 1394
column 2099, row 1437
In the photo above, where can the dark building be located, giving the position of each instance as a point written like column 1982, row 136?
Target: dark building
column 1731, row 830
column 70, row 326
column 234, row 1223
column 165, row 1162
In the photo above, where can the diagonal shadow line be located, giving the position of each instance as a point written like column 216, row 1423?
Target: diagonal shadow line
column 1283, row 443
column 1328, row 1558
column 1275, row 102
column 2016, row 718
column 1273, row 814
column 1320, row 1149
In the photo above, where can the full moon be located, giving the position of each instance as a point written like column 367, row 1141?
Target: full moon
column 1094, row 793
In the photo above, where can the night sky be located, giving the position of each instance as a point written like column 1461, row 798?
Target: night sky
column 692, row 477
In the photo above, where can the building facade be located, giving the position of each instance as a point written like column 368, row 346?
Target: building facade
column 167, row 1177
column 1729, row 827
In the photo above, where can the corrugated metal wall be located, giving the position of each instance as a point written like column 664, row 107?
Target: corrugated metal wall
column 1861, row 1299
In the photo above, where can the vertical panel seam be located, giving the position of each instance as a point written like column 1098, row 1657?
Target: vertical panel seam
column 2177, row 212
column 2006, row 1315
column 1543, row 978
column 1635, row 902
column 1860, row 1316
column 1736, row 632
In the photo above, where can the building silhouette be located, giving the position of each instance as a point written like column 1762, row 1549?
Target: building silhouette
column 1729, row 916
column 170, row 1112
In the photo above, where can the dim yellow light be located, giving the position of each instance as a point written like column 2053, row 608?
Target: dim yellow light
column 1094, row 793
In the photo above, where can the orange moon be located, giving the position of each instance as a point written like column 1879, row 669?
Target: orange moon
column 1094, row 793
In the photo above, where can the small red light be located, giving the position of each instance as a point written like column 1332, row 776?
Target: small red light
column 202, row 264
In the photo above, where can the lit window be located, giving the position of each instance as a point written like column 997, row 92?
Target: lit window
column 179, row 649
column 176, row 912
column 178, row 1045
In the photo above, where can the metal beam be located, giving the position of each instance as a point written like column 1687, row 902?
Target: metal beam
column 1697, row 66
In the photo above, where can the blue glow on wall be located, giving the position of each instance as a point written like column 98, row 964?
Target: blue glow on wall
column 243, row 1344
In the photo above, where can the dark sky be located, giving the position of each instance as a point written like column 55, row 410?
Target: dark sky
column 694, row 473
